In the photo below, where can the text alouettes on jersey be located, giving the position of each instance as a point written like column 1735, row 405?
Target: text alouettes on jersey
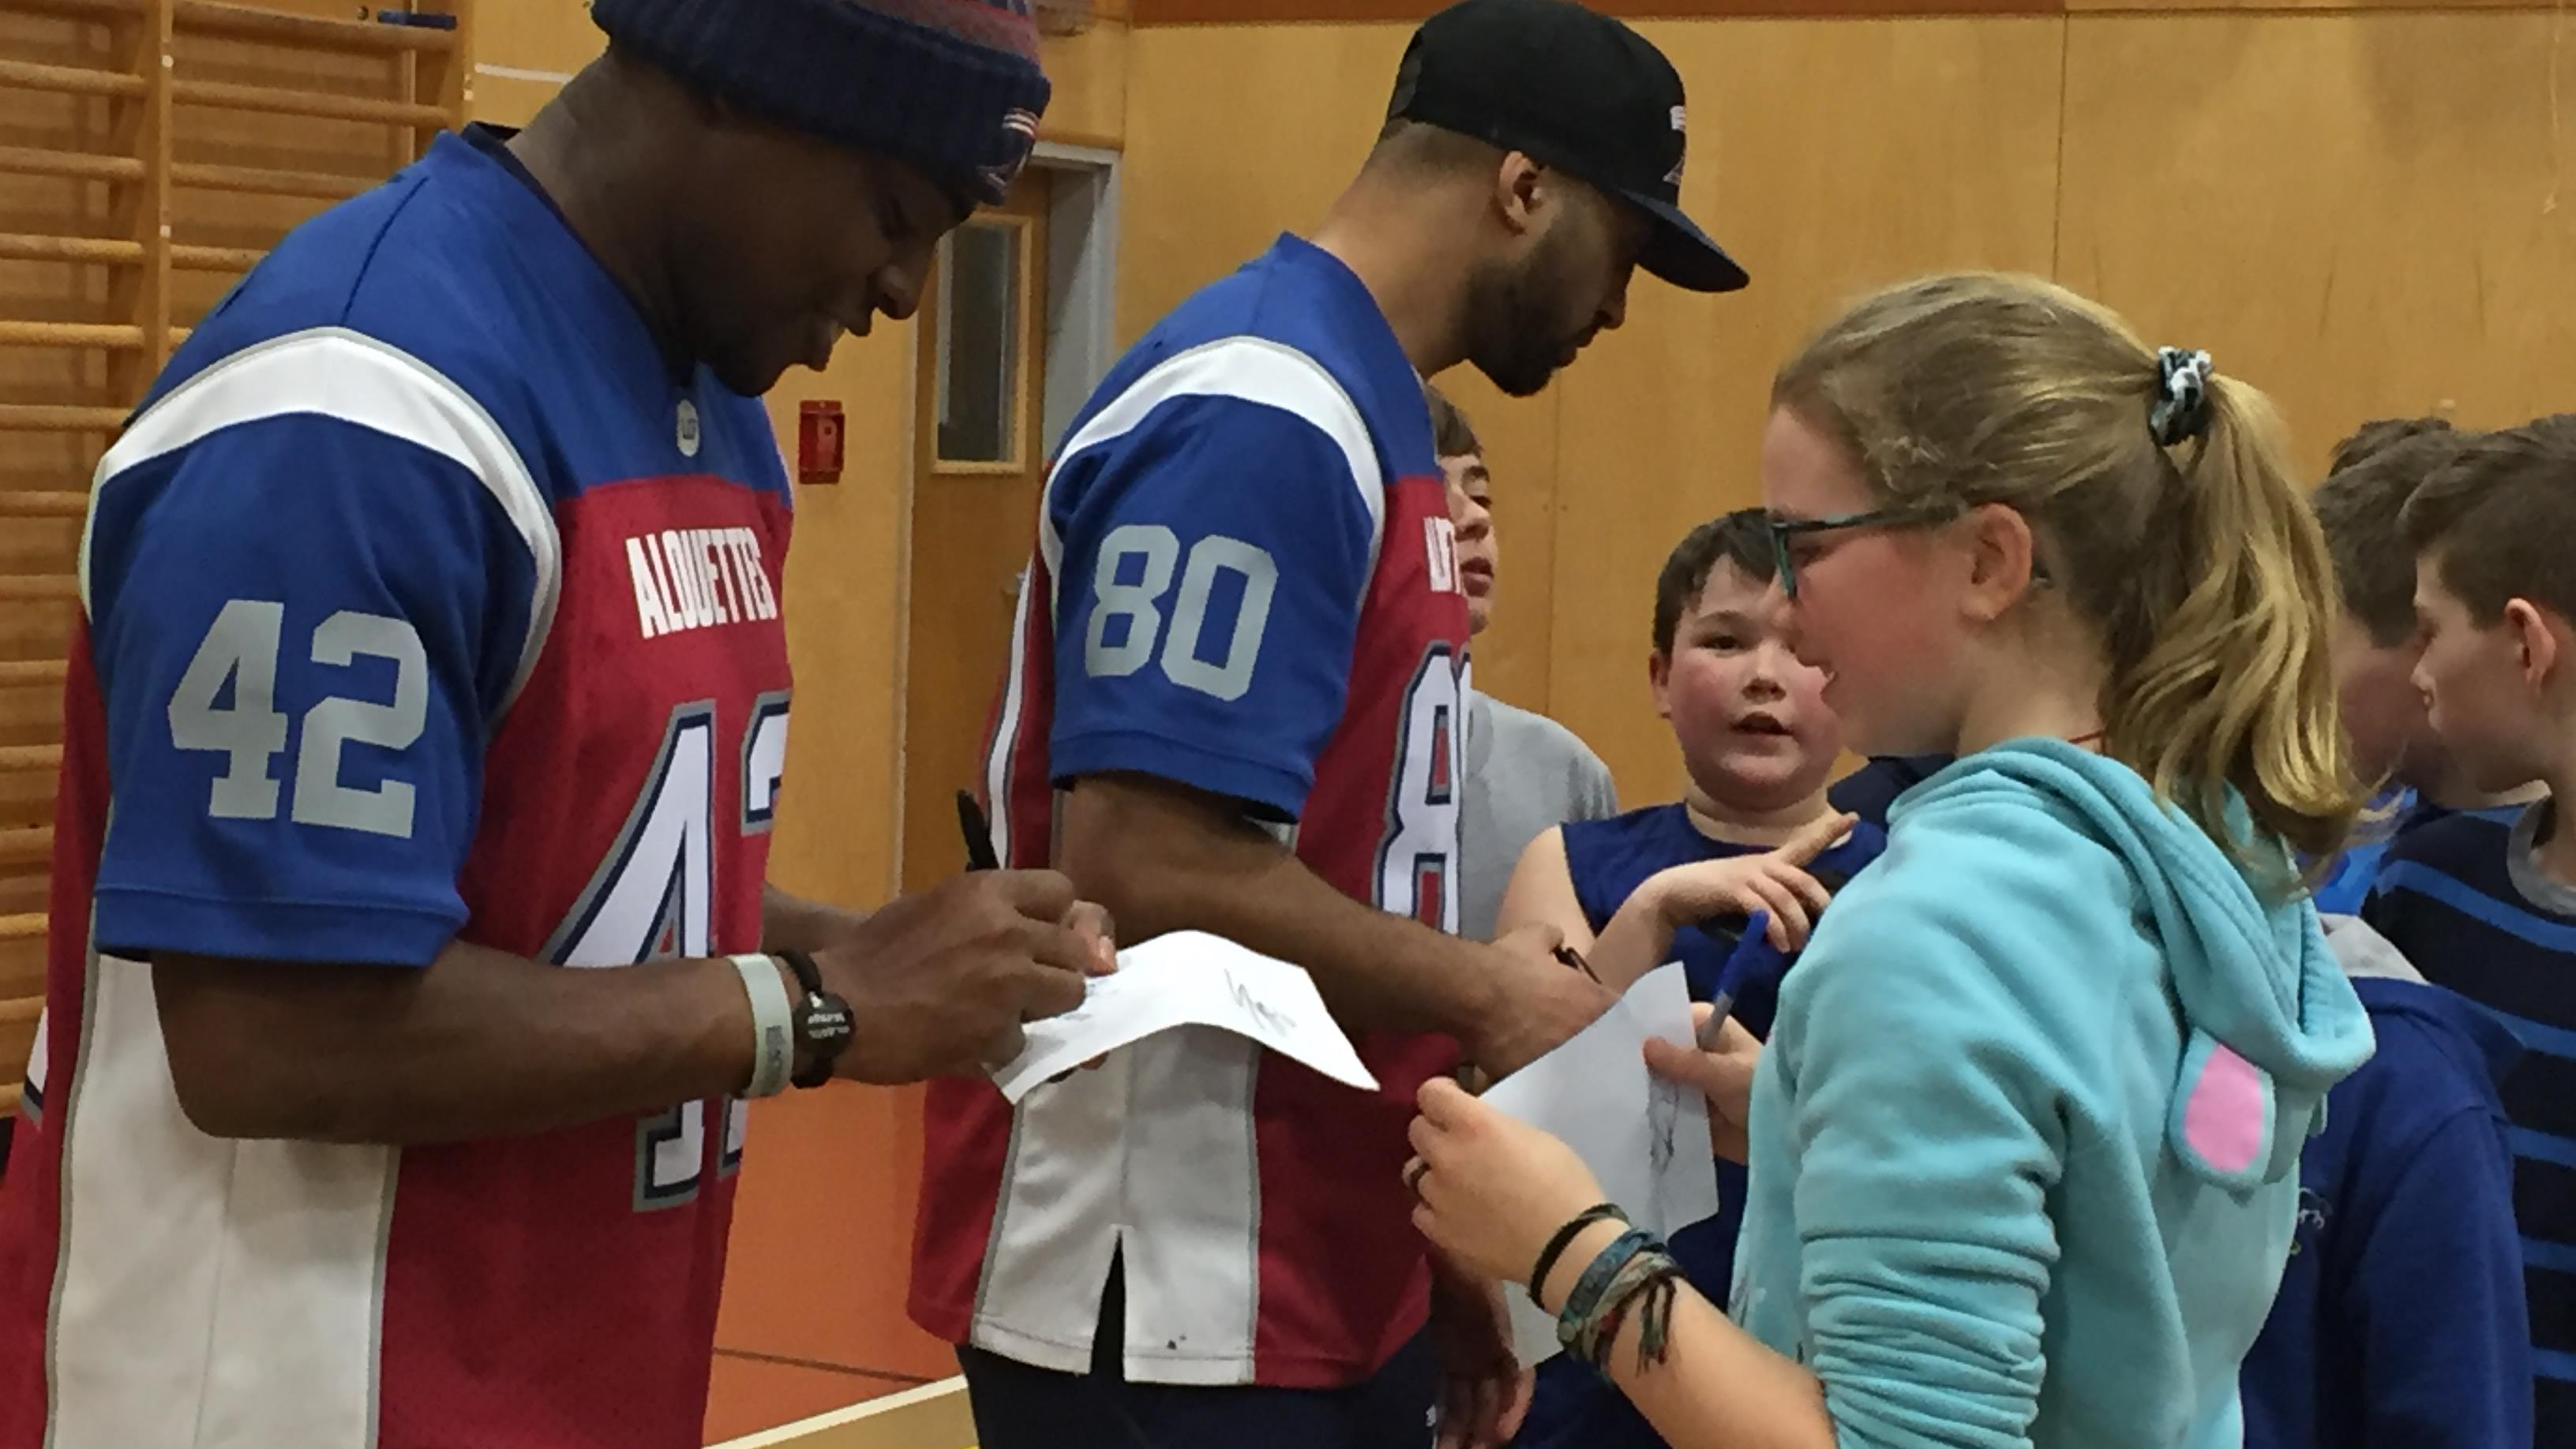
column 422, row 603
column 1244, row 583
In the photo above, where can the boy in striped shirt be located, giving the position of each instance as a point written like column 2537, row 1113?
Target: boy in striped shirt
column 2377, row 643
column 2488, row 907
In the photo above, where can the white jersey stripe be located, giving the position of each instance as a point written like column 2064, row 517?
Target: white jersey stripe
column 337, row 373
column 1006, row 729
column 1195, row 1279
column 1256, row 370
column 198, row 1275
column 1188, row 1195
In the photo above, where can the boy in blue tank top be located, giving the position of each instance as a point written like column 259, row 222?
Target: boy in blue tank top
column 1693, row 879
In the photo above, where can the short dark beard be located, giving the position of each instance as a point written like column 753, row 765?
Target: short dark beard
column 1512, row 335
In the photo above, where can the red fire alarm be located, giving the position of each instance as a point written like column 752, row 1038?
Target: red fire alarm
column 818, row 442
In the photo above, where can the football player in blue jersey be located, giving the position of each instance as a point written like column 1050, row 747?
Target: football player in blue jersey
column 1235, row 706
column 411, row 959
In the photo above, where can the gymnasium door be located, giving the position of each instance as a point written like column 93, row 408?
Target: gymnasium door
column 978, row 461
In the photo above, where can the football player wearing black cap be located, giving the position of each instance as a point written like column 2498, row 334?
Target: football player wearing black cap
column 1234, row 707
column 1532, row 157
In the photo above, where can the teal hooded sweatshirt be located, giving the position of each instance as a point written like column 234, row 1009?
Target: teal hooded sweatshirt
column 2025, row 1141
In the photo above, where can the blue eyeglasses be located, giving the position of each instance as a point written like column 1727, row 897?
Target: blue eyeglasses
column 1903, row 515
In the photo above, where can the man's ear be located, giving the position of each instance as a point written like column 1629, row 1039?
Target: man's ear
column 1517, row 192
column 1659, row 677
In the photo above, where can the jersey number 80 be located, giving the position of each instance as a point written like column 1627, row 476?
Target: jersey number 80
column 1139, row 605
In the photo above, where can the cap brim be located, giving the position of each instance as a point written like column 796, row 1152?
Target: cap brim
column 1682, row 254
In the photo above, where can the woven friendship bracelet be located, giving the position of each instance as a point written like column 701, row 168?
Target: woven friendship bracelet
column 1654, row 1337
column 1648, row 1285
column 1591, row 1291
column 1599, row 1325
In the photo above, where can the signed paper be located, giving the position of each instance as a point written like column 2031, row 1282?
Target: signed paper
column 1645, row 1138
column 1189, row 978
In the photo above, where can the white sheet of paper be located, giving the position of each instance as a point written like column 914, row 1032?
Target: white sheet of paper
column 1189, row 978
column 1646, row 1139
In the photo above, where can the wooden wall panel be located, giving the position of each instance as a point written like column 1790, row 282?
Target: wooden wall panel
column 50, row 291
column 2303, row 7
column 361, row 151
column 2351, row 211
column 536, row 35
column 835, row 836
column 509, row 100
column 524, row 50
column 1235, row 134
column 1089, row 105
column 1346, row 12
column 1828, row 158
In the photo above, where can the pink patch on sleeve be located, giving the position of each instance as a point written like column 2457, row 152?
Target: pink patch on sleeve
column 2224, row 1119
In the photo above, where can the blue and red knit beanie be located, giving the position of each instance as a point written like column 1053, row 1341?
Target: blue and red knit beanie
column 951, row 87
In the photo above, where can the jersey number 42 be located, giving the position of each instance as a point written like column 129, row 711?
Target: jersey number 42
column 652, row 898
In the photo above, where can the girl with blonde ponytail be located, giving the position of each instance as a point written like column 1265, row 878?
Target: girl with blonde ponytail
column 2023, row 1146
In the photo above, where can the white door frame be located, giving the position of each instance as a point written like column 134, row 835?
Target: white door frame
column 1082, row 275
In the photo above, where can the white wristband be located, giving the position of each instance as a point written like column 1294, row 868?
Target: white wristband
column 773, row 1026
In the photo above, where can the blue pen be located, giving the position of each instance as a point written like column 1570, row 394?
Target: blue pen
column 1715, row 1027
column 1722, row 1000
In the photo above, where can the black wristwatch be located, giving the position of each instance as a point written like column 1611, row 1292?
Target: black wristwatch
column 822, row 1022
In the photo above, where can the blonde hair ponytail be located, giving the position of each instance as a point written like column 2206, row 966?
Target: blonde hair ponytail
column 2199, row 564
column 2236, row 690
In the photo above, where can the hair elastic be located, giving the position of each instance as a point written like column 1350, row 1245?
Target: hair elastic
column 1565, row 1236
column 2181, row 409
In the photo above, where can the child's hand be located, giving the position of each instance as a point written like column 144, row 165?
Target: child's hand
column 1776, row 882
column 1723, row 1074
column 1490, row 1189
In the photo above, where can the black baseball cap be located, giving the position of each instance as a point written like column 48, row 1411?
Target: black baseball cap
column 1573, row 89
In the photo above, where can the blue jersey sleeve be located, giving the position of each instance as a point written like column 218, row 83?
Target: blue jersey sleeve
column 302, row 626
column 1210, row 572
